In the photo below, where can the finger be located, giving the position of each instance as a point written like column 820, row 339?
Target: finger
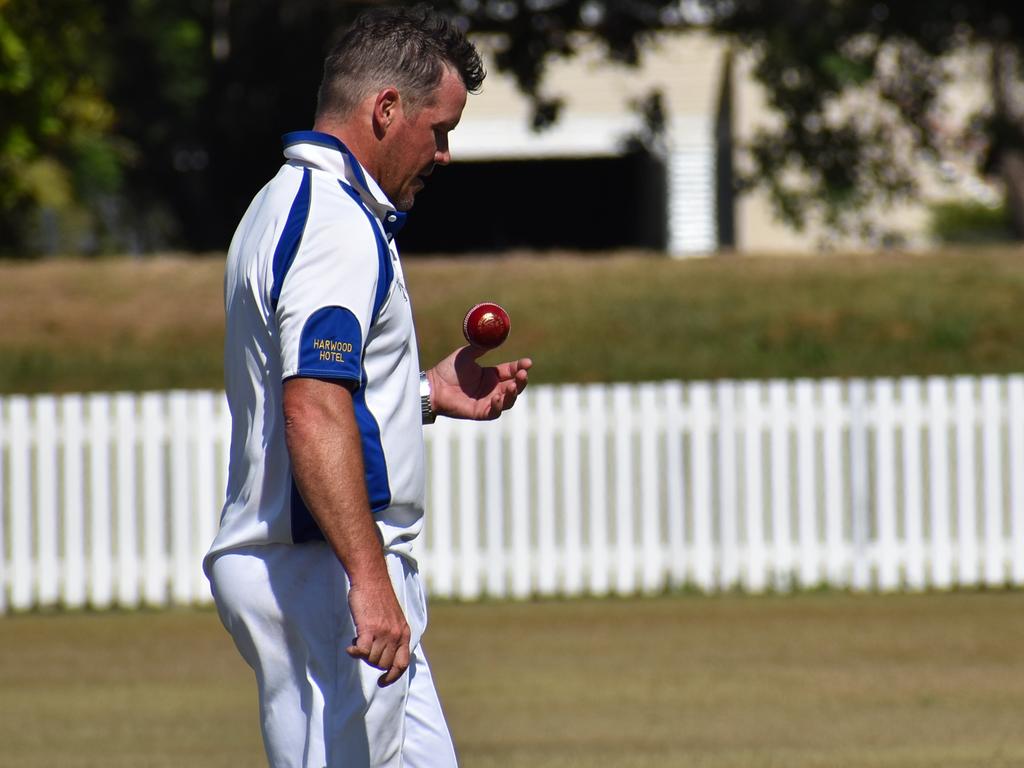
column 398, row 667
column 355, row 652
column 361, row 647
column 376, row 653
column 387, row 659
column 509, row 370
column 509, row 396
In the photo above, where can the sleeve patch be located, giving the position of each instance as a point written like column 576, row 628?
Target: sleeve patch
column 331, row 345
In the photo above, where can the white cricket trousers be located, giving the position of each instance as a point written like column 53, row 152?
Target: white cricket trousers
column 286, row 606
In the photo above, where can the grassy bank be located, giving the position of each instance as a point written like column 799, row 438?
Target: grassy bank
column 120, row 324
column 806, row 681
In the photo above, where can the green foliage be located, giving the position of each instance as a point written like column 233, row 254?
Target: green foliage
column 57, row 120
column 94, row 96
column 970, row 223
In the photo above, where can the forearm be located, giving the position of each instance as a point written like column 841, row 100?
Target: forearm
column 327, row 465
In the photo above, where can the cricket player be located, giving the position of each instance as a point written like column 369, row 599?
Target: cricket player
column 314, row 567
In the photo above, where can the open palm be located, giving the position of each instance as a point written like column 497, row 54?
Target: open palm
column 462, row 389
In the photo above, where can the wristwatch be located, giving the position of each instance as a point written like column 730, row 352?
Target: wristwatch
column 426, row 410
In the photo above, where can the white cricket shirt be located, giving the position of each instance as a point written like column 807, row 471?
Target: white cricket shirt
column 313, row 287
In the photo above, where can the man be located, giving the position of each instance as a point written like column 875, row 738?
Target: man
column 313, row 569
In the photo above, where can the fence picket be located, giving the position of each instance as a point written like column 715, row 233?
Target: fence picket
column 154, row 510
column 807, row 473
column 913, row 509
column 521, row 507
column 5, row 577
column 753, row 502
column 700, row 456
column 182, row 480
column 860, row 494
column 1016, row 462
column 939, row 483
column 625, row 553
column 836, row 569
column 127, row 502
column 113, row 500
column 966, row 490
column 571, row 483
column 441, row 551
column 469, row 512
column 100, row 520
column 73, row 578
column 494, row 512
column 778, row 397
column 22, row 570
column 597, row 497
column 992, row 481
column 208, row 492
column 675, row 498
column 652, row 567
column 885, row 485
column 728, row 475
column 547, row 560
column 46, row 500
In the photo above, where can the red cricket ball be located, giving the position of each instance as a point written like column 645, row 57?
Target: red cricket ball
column 486, row 325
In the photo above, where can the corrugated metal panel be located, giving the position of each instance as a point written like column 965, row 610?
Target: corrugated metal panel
column 691, row 200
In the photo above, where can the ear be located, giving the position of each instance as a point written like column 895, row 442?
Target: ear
column 387, row 107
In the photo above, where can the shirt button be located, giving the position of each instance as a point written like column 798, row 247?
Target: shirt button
column 392, row 218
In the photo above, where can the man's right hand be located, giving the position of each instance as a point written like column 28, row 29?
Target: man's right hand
column 382, row 633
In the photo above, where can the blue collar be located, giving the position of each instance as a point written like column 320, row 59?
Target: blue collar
column 350, row 171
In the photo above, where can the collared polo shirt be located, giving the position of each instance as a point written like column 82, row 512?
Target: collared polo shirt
column 314, row 287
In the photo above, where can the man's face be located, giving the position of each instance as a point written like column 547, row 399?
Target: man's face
column 418, row 140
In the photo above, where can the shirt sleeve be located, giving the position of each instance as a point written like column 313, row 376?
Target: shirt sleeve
column 326, row 302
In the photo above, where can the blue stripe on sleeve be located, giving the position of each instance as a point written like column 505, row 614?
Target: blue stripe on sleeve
column 304, row 527
column 373, row 450
column 385, row 272
column 288, row 244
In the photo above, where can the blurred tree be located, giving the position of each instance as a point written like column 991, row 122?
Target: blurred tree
column 56, row 145
column 857, row 87
column 144, row 124
column 862, row 89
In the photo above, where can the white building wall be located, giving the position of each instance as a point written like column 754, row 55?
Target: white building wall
column 597, row 121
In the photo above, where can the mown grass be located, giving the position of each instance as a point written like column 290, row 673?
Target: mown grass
column 154, row 324
column 822, row 680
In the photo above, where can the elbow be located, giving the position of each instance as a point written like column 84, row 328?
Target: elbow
column 299, row 416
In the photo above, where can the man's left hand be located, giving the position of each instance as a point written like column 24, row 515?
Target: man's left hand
column 462, row 389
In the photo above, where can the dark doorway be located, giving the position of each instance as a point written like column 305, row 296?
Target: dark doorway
column 582, row 204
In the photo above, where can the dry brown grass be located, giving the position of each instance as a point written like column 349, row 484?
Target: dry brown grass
column 99, row 303
column 809, row 681
column 156, row 324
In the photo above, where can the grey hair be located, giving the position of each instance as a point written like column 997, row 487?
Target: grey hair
column 406, row 48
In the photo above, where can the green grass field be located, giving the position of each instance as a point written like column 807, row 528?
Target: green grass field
column 69, row 325
column 813, row 680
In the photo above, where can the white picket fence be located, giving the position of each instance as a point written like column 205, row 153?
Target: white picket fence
column 595, row 489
